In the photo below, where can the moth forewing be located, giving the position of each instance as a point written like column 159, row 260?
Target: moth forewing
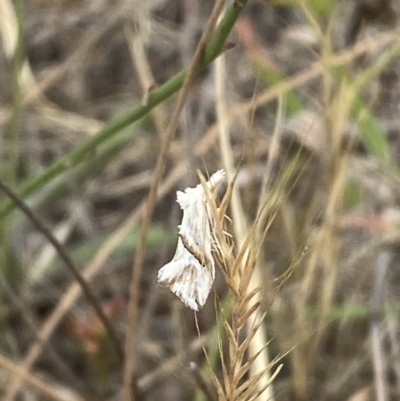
column 186, row 278
column 191, row 272
column 195, row 226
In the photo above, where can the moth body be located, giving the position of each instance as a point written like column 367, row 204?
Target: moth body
column 191, row 272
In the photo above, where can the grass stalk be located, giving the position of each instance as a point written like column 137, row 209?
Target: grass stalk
column 213, row 49
column 69, row 263
column 73, row 292
column 140, row 253
column 240, row 229
column 15, row 125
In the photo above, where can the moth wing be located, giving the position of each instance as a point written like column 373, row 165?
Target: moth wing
column 187, row 278
column 196, row 223
column 191, row 272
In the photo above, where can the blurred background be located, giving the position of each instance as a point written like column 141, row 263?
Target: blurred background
column 306, row 85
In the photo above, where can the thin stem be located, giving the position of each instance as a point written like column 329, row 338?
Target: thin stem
column 38, row 384
column 240, row 229
column 15, row 126
column 13, row 134
column 62, row 252
column 77, row 155
column 26, row 317
column 195, row 66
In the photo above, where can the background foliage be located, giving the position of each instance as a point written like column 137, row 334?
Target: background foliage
column 303, row 103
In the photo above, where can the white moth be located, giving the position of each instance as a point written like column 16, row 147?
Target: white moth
column 191, row 272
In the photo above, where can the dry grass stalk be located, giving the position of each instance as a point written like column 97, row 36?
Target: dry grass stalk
column 151, row 201
column 364, row 47
column 238, row 383
column 257, row 344
column 73, row 292
column 43, row 387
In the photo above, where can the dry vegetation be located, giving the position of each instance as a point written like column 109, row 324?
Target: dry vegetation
column 302, row 112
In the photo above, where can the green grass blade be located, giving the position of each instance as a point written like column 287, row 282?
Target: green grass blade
column 70, row 160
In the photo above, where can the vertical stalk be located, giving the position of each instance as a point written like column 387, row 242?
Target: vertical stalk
column 13, row 138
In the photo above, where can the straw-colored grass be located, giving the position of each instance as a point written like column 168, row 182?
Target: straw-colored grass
column 297, row 100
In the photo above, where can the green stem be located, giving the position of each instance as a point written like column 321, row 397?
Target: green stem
column 215, row 47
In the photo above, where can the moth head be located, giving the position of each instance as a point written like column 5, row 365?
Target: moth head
column 216, row 179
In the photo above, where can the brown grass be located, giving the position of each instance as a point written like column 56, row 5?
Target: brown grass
column 302, row 113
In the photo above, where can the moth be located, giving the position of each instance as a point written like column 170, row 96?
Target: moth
column 191, row 272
